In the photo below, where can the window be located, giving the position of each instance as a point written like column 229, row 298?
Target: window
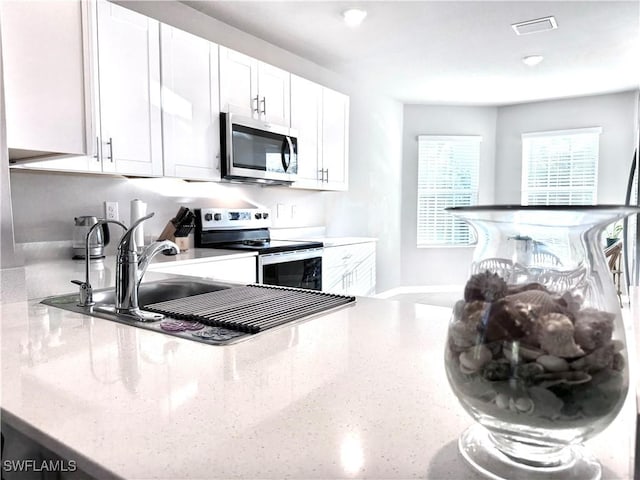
column 448, row 169
column 560, row 167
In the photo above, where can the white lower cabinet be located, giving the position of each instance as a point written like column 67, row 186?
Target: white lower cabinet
column 349, row 269
column 234, row 270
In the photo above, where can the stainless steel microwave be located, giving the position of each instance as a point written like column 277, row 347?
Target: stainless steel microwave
column 257, row 151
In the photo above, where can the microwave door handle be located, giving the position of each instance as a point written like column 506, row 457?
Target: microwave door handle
column 286, row 144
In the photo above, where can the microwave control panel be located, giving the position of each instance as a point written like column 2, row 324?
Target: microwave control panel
column 222, row 218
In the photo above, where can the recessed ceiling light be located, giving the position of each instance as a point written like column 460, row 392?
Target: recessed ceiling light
column 354, row 16
column 535, row 26
column 532, row 60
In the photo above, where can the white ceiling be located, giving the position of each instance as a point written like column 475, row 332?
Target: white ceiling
column 455, row 52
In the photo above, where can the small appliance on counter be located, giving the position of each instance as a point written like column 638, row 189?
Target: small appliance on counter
column 179, row 227
column 285, row 263
column 97, row 242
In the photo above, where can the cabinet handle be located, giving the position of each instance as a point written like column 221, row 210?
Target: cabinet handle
column 327, row 180
column 321, row 175
column 110, row 143
column 264, row 106
column 97, row 155
column 256, row 109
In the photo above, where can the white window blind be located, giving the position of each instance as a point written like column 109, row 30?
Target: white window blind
column 448, row 170
column 560, row 167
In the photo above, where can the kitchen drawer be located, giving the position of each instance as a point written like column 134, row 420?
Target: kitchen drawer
column 237, row 270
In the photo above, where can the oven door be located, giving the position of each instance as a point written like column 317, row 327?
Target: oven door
column 299, row 268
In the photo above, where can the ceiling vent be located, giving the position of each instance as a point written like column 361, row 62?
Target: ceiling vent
column 535, row 26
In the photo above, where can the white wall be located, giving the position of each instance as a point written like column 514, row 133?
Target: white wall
column 44, row 203
column 615, row 113
column 501, row 157
column 441, row 266
column 375, row 183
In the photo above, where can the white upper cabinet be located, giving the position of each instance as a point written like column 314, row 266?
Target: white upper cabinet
column 306, row 118
column 44, row 79
column 321, row 117
column 94, row 87
column 238, row 83
column 252, row 88
column 190, row 108
column 335, row 140
column 129, row 91
column 274, row 100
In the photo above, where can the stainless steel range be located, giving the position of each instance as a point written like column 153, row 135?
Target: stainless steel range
column 280, row 262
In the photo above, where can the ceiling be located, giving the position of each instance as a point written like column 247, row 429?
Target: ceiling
column 455, row 52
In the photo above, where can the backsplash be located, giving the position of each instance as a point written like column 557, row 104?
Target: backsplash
column 45, row 203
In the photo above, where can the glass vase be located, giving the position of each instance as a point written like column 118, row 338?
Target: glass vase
column 536, row 350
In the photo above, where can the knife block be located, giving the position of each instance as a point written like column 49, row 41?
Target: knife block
column 177, row 236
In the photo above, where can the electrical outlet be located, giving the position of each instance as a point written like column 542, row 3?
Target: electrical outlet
column 111, row 211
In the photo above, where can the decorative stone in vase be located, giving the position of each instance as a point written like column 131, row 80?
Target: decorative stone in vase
column 536, row 350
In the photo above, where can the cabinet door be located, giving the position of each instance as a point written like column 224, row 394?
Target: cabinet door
column 129, row 83
column 190, row 113
column 44, row 81
column 364, row 272
column 349, row 269
column 306, row 103
column 238, row 83
column 335, row 139
column 333, row 269
column 235, row 270
column 274, row 94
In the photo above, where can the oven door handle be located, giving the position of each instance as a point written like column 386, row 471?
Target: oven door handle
column 291, row 256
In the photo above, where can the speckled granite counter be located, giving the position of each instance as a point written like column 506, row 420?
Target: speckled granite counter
column 360, row 392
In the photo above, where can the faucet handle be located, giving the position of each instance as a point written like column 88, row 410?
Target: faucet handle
column 86, row 293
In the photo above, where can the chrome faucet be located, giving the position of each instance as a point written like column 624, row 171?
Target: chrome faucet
column 86, row 291
column 130, row 268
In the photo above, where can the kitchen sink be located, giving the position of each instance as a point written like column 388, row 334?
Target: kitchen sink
column 151, row 293
column 209, row 312
column 162, row 291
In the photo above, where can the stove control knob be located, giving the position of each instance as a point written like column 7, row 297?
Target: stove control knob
column 208, row 217
column 217, row 217
column 265, row 215
column 258, row 216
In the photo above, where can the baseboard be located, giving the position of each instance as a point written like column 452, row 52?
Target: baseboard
column 419, row 289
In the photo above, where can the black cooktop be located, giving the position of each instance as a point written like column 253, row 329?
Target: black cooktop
column 271, row 246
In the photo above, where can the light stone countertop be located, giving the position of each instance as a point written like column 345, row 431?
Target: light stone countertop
column 340, row 241
column 49, row 271
column 359, row 392
column 312, row 235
